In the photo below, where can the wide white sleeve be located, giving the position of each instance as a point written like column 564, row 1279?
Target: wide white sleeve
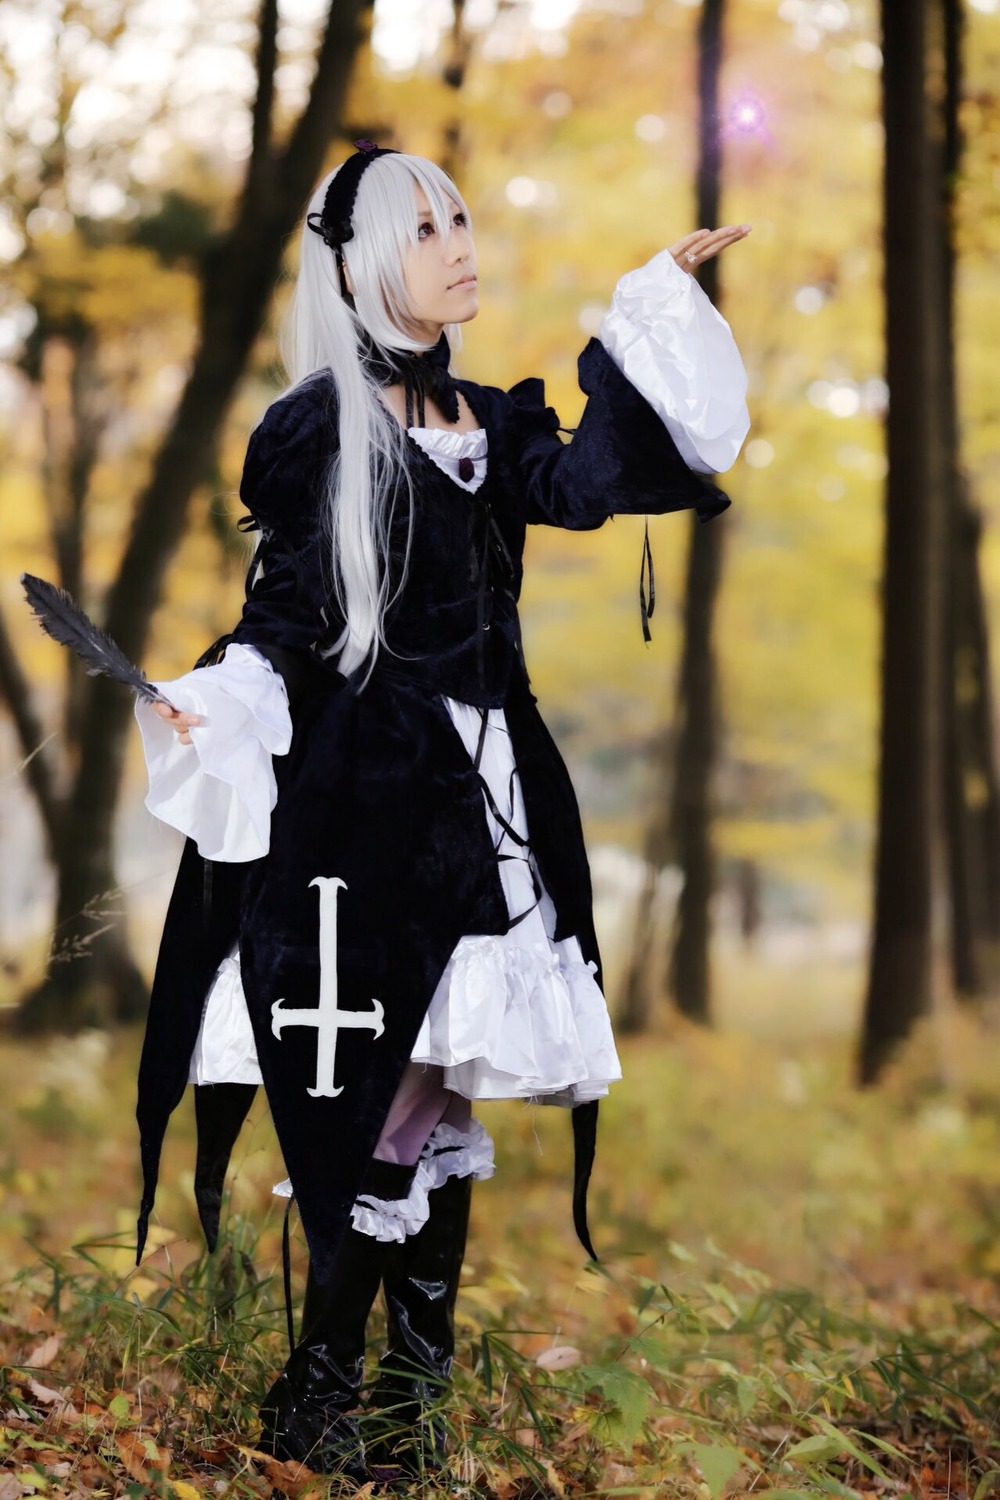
column 220, row 790
column 669, row 341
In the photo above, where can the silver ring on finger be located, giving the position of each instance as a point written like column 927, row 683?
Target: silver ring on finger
column 690, row 257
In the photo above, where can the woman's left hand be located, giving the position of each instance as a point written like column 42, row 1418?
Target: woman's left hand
column 177, row 719
column 705, row 244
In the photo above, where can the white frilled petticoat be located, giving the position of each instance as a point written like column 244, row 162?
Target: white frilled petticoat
column 515, row 1016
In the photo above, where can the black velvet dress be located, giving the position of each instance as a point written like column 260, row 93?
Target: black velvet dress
column 377, row 790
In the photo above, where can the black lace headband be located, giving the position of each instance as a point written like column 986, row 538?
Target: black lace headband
column 334, row 223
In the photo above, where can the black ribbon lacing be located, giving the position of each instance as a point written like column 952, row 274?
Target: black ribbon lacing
column 493, row 558
column 647, row 587
column 507, row 829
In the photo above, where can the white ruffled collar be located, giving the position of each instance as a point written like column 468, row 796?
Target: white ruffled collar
column 454, row 451
column 439, row 440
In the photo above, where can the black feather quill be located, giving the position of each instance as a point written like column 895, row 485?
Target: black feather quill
column 62, row 618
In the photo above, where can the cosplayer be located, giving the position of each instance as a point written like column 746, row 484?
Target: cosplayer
column 383, row 909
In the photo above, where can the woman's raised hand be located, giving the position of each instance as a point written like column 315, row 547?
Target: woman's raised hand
column 704, row 244
column 178, row 720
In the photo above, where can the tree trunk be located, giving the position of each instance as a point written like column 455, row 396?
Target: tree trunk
column 90, row 411
column 749, row 895
column 644, row 974
column 972, row 794
column 689, row 976
column 909, row 885
column 237, row 280
column 92, row 979
column 453, row 74
column 697, row 699
column 40, row 772
column 681, row 825
column 972, row 790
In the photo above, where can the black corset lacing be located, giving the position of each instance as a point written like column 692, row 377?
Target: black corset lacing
column 491, row 567
column 507, row 829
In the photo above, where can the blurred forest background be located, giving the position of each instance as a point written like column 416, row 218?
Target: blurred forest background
column 141, row 228
column 790, row 794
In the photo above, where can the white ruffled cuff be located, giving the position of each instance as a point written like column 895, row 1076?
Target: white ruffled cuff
column 220, row 790
column 669, row 341
column 449, row 1153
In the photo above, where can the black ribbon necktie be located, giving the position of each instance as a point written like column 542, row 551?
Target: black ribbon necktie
column 494, row 560
column 423, row 376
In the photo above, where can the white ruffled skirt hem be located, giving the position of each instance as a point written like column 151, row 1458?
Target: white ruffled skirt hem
column 514, row 1022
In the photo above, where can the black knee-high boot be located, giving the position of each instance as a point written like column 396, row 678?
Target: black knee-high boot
column 420, row 1278
column 305, row 1414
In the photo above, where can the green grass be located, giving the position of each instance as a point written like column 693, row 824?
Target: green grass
column 797, row 1293
column 716, row 1381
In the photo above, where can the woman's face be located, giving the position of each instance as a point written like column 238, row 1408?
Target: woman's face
column 440, row 272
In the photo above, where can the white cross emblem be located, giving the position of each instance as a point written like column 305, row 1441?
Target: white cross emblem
column 326, row 1017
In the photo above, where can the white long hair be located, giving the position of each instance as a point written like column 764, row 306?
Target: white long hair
column 322, row 332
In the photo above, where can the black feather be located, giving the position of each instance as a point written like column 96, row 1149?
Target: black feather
column 62, row 618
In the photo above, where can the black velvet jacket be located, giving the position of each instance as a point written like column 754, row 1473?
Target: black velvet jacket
column 377, row 789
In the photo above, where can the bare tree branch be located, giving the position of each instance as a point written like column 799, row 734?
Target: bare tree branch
column 318, row 120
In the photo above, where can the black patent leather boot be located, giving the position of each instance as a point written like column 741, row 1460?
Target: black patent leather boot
column 307, row 1413
column 420, row 1280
